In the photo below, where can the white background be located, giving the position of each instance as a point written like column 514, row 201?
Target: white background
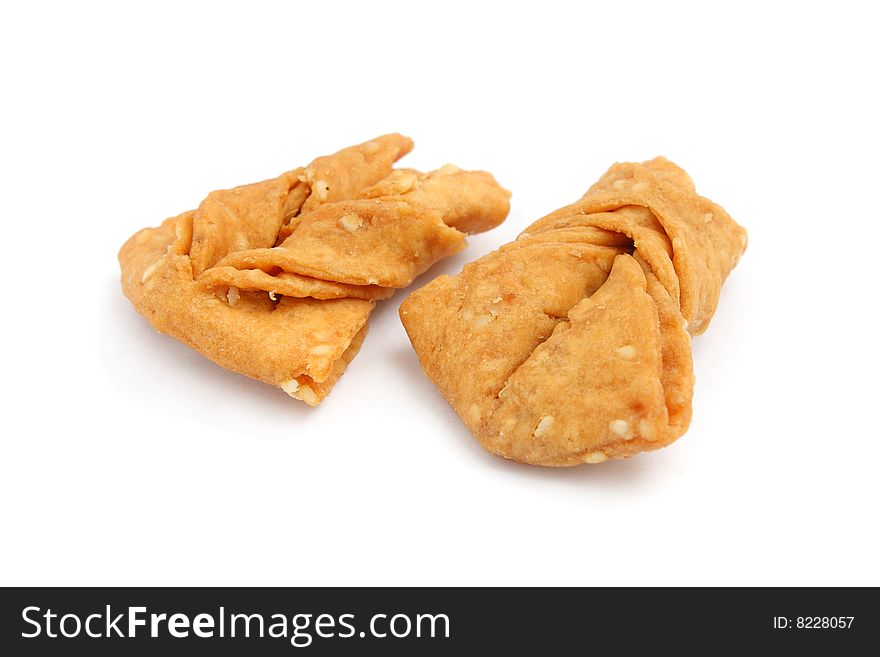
column 129, row 459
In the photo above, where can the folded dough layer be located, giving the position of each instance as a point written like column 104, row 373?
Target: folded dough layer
column 277, row 279
column 572, row 343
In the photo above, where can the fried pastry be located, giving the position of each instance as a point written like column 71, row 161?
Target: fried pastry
column 277, row 279
column 572, row 344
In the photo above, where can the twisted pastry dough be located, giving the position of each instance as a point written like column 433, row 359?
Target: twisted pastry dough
column 572, row 343
column 277, row 279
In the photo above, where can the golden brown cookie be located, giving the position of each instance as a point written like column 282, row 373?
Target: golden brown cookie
column 277, row 279
column 572, row 344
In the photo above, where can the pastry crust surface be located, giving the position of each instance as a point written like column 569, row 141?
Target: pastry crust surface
column 572, row 344
column 277, row 279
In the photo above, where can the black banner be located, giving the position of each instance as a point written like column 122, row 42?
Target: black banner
column 276, row 621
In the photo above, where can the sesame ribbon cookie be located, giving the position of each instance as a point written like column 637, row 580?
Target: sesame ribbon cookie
column 277, row 279
column 572, row 344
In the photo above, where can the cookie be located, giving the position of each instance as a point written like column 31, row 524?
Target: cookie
column 572, row 344
column 277, row 279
